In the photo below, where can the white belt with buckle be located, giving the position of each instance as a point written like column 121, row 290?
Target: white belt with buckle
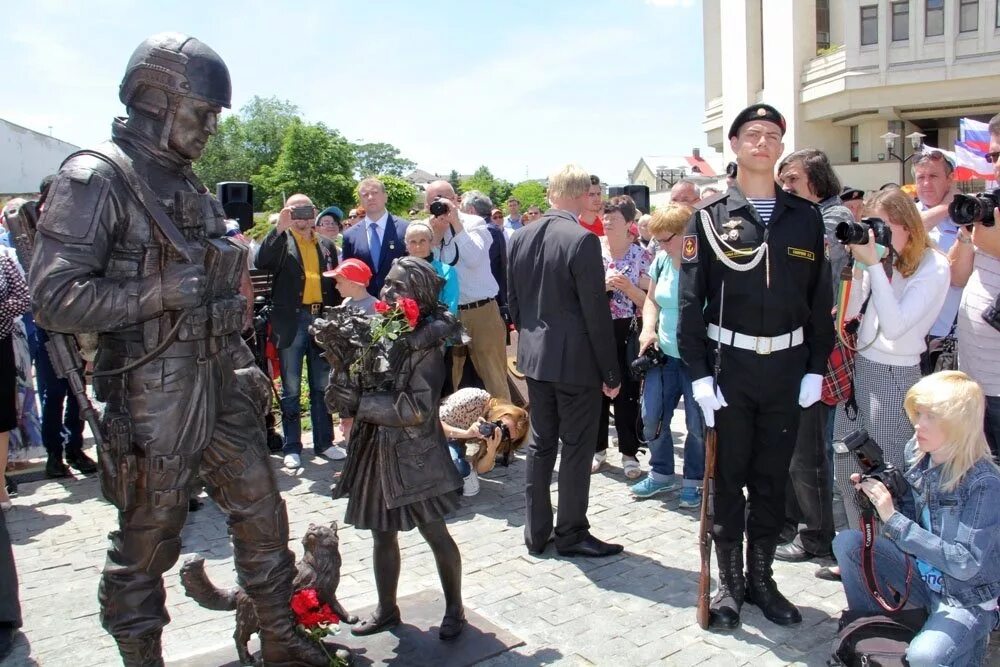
column 758, row 344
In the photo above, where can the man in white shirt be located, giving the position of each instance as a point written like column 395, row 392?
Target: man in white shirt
column 463, row 241
column 934, row 175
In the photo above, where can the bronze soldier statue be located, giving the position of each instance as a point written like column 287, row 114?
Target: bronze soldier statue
column 131, row 246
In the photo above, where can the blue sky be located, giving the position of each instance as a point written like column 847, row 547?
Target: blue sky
column 522, row 87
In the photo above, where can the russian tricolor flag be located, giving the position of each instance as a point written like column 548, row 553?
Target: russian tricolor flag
column 971, row 150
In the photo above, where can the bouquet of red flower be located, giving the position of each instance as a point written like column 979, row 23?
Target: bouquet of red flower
column 391, row 321
column 316, row 620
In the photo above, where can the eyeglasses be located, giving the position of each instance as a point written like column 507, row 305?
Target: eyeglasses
column 666, row 240
column 992, row 157
column 933, row 156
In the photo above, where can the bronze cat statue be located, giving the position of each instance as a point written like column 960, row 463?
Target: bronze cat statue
column 319, row 569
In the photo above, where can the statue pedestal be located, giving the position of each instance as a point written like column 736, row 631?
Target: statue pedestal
column 413, row 642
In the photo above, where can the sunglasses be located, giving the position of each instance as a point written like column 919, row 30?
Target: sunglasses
column 992, row 157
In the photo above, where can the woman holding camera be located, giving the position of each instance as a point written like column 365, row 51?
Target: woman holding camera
column 667, row 378
column 944, row 529
column 626, row 280
column 900, row 311
column 498, row 427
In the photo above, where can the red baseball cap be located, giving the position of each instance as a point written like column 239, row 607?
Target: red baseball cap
column 352, row 269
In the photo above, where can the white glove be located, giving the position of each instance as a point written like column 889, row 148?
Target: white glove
column 709, row 397
column 811, row 389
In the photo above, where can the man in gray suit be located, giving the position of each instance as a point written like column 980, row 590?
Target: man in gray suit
column 559, row 306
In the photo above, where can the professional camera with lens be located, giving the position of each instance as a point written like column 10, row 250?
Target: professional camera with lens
column 991, row 314
column 438, row 207
column 873, row 464
column 967, row 210
column 487, row 429
column 652, row 357
column 856, row 233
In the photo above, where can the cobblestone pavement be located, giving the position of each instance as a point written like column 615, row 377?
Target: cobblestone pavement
column 633, row 609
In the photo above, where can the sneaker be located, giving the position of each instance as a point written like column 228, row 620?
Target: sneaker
column 690, row 497
column 649, row 487
column 470, row 483
column 292, row 461
column 335, row 453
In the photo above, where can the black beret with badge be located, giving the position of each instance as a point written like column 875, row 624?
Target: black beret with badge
column 757, row 112
column 851, row 194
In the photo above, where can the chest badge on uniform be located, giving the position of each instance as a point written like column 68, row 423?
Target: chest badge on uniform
column 689, row 249
column 802, row 254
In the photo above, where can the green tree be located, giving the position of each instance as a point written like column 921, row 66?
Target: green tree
column 401, row 195
column 314, row 160
column 455, row 182
column 380, row 158
column 529, row 193
column 483, row 180
column 246, row 142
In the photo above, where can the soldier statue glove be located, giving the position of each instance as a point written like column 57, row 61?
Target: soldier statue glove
column 810, row 390
column 709, row 397
column 182, row 286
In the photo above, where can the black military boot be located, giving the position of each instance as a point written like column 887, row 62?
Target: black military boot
column 724, row 612
column 144, row 651
column 761, row 589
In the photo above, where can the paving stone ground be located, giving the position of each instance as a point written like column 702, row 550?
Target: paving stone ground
column 636, row 608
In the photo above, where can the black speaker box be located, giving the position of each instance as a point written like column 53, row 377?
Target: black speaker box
column 639, row 194
column 615, row 190
column 237, row 201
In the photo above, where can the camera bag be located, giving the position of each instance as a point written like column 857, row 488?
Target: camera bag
column 876, row 640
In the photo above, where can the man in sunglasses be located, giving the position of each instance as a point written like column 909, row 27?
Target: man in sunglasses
column 934, row 176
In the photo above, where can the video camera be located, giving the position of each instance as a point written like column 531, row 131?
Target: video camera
column 653, row 356
column 856, row 233
column 873, row 465
column 967, row 210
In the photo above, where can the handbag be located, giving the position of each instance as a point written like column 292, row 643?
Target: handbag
column 838, row 381
column 880, row 639
column 632, row 346
column 945, row 352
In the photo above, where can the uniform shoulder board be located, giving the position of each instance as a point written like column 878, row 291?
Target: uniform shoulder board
column 711, row 201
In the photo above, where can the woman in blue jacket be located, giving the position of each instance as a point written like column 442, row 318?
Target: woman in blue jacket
column 945, row 528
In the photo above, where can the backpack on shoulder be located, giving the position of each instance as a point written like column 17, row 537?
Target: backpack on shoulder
column 875, row 640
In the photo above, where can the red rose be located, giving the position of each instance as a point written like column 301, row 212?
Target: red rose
column 411, row 310
column 381, row 307
column 304, row 602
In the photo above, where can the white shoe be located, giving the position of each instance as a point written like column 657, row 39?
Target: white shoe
column 335, row 453
column 599, row 459
column 470, row 485
column 292, row 461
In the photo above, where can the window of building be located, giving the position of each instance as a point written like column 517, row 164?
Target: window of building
column 869, row 25
column 934, row 18
column 855, row 144
column 823, row 24
column 968, row 15
column 901, row 21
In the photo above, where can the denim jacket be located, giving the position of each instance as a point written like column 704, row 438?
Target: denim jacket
column 964, row 542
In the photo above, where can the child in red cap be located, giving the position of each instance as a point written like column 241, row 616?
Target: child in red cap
column 353, row 276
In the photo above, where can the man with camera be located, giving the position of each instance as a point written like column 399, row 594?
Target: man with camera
column 975, row 266
column 298, row 257
column 463, row 241
column 934, row 176
column 755, row 331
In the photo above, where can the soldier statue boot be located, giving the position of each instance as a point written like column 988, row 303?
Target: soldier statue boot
column 142, row 651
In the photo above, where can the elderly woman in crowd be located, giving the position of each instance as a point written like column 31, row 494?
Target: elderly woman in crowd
column 419, row 240
column 666, row 381
column 899, row 311
column 465, row 415
column 328, row 224
column 626, row 279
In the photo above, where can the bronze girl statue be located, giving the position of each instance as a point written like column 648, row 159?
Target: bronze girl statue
column 398, row 474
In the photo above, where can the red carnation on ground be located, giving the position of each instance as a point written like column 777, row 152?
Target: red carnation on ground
column 381, row 307
column 309, row 612
column 411, row 310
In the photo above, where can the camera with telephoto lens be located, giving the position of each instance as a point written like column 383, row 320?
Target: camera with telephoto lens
column 652, row 357
column 487, row 429
column 873, row 465
column 991, row 315
column 967, row 210
column 438, row 207
column 856, row 233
